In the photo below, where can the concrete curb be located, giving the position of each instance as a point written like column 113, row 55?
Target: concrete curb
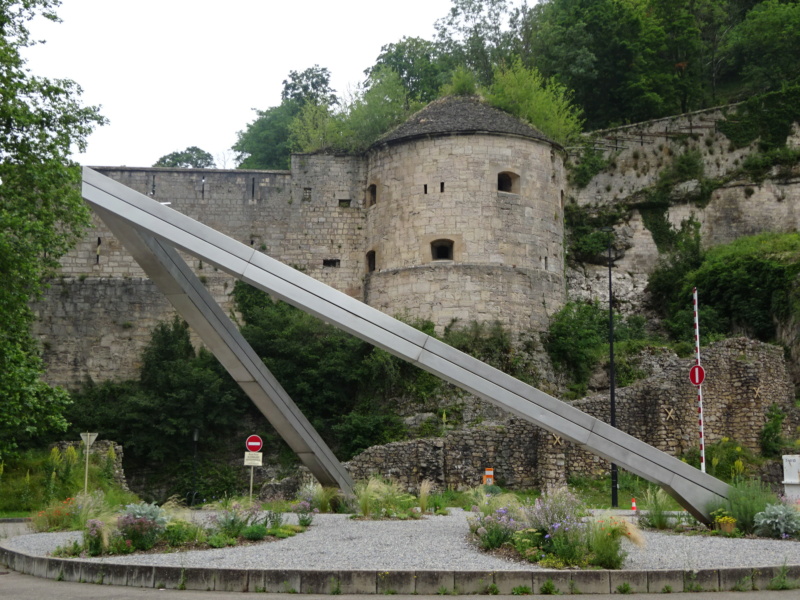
column 422, row 582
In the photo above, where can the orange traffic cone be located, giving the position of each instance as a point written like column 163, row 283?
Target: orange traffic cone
column 633, row 504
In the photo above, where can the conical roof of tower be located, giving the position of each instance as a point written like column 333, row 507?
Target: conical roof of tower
column 459, row 115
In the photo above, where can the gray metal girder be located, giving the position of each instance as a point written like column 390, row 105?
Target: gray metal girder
column 130, row 210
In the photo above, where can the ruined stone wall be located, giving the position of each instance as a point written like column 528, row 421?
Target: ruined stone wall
column 743, row 378
column 457, row 460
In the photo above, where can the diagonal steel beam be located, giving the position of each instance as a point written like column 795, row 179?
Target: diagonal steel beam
column 130, row 210
column 196, row 305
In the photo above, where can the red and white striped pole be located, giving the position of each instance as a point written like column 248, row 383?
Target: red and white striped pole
column 700, row 384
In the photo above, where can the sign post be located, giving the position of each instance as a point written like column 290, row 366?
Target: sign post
column 253, row 457
column 88, row 440
column 696, row 375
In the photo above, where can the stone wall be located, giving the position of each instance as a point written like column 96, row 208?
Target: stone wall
column 507, row 246
column 743, row 378
column 457, row 460
column 100, row 450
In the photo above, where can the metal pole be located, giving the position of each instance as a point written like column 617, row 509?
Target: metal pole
column 86, row 470
column 699, row 387
column 252, row 468
column 611, row 380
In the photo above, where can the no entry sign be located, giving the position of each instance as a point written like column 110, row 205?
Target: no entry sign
column 254, row 443
column 697, row 374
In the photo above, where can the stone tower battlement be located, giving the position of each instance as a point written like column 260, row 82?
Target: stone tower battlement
column 457, row 214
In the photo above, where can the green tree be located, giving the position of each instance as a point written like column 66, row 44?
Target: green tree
column 544, row 103
column 265, row 143
column 41, row 216
column 475, row 35
column 423, row 66
column 767, row 43
column 361, row 120
column 604, row 50
column 179, row 390
column 311, row 85
column 191, row 158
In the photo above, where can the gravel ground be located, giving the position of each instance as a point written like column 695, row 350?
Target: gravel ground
column 434, row 543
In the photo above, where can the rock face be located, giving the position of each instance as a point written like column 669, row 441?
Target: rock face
column 743, row 379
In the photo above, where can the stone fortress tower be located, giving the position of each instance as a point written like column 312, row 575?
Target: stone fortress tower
column 464, row 218
column 456, row 214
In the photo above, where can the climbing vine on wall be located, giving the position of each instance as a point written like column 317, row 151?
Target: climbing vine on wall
column 767, row 118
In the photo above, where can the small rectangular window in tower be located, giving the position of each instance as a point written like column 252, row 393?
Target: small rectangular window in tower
column 370, row 261
column 441, row 187
column 425, row 189
column 330, row 262
column 372, row 195
column 306, row 194
column 344, row 203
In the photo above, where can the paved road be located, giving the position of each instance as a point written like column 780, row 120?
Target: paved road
column 14, row 586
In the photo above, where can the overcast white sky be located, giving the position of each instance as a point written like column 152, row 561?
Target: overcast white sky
column 176, row 73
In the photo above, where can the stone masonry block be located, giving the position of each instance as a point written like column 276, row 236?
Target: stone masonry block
column 506, row 581
column 472, row 582
column 358, row 582
column 637, row 580
column 434, row 582
column 281, row 582
column 396, row 582
column 658, row 581
column 319, row 582
column 231, row 580
column 703, row 580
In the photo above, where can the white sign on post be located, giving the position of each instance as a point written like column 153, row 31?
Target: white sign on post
column 88, row 439
column 253, row 459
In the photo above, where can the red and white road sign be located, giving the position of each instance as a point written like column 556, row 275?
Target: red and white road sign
column 697, row 374
column 254, row 443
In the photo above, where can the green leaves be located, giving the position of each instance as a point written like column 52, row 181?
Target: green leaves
column 41, row 215
column 191, row 158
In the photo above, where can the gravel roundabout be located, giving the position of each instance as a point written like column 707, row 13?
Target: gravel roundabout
column 433, row 543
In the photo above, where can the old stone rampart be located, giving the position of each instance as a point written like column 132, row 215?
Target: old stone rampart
column 743, row 379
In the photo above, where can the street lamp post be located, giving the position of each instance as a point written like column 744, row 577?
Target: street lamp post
column 611, row 379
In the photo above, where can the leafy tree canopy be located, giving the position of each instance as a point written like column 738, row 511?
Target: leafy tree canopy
column 423, row 66
column 41, row 215
column 179, row 391
column 191, row 158
column 544, row 103
column 311, row 85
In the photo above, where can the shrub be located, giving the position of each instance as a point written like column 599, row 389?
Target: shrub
column 656, row 515
column 770, row 437
column 746, row 499
column 604, row 540
column 178, row 532
column 494, row 530
column 56, row 516
column 255, row 533
column 117, row 544
column 778, row 521
column 305, row 514
column 220, row 540
column 146, row 510
column 94, row 537
column 141, row 531
column 232, row 522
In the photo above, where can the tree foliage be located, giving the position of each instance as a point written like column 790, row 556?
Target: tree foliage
column 423, row 66
column 745, row 287
column 359, row 121
column 191, row 158
column 544, row 103
column 179, row 390
column 41, row 215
